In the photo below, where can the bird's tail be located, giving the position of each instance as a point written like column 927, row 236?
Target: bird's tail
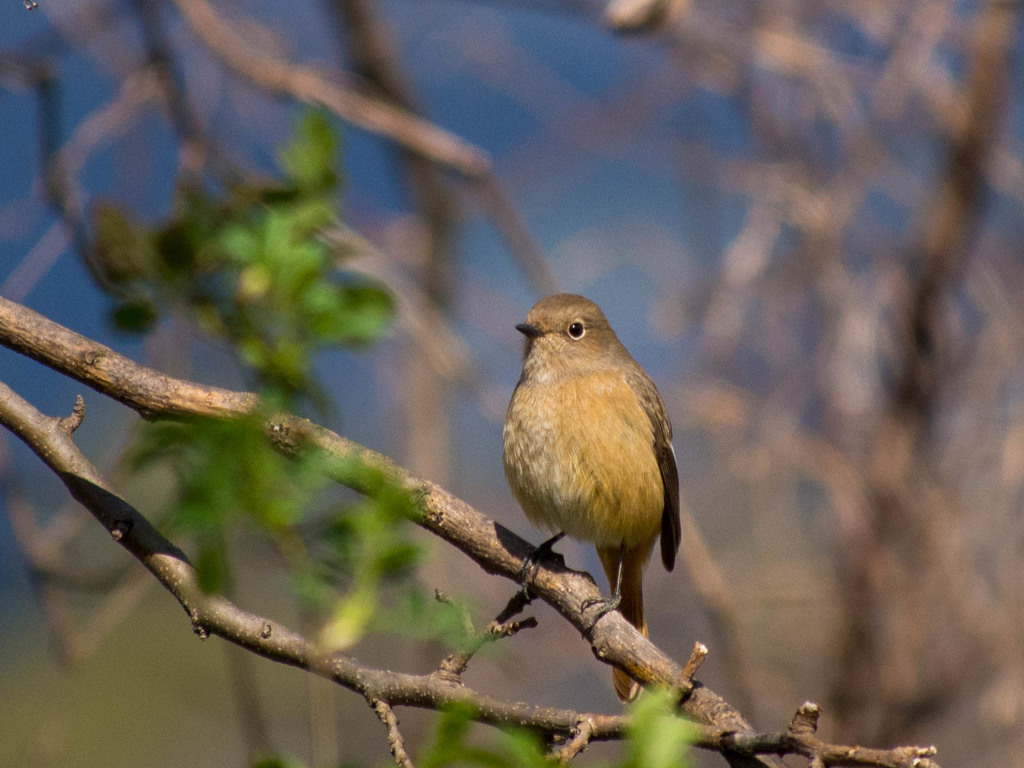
column 631, row 605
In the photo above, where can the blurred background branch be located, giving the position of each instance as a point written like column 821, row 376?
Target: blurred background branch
column 802, row 217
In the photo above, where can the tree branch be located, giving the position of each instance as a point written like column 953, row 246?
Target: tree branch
column 494, row 548
column 581, row 736
column 395, row 741
column 454, row 664
column 212, row 614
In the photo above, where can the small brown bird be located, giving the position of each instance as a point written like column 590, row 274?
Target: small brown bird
column 588, row 449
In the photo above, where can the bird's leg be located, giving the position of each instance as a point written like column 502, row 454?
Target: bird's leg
column 617, row 592
column 607, row 605
column 542, row 552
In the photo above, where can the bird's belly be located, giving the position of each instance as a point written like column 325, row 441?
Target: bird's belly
column 584, row 465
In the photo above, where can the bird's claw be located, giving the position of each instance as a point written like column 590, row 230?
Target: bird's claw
column 603, row 606
column 543, row 552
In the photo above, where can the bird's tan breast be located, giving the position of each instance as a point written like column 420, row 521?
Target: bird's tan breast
column 579, row 457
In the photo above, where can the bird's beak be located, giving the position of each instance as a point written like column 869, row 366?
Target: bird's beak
column 529, row 331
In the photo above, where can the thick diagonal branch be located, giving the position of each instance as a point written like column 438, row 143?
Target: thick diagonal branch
column 212, row 614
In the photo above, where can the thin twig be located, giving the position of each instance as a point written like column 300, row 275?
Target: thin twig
column 700, row 652
column 196, row 145
column 577, row 743
column 304, row 84
column 395, row 741
column 454, row 664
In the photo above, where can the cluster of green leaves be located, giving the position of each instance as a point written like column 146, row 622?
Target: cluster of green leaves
column 250, row 267
column 452, row 745
column 366, row 549
column 657, row 738
column 227, row 473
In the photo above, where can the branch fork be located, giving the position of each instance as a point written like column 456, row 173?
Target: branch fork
column 454, row 664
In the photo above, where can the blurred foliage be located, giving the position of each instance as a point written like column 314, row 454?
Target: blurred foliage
column 657, row 738
column 339, row 559
column 279, row 762
column 452, row 746
column 758, row 195
column 226, row 471
column 250, row 268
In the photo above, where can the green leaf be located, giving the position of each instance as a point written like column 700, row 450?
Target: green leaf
column 240, row 243
column 452, row 728
column 416, row 616
column 120, row 247
column 522, row 748
column 136, row 315
column 397, row 559
column 350, row 619
column 354, row 314
column 177, row 248
column 513, row 748
column 278, row 762
column 310, row 157
column 227, row 468
column 211, row 567
column 658, row 736
column 250, row 267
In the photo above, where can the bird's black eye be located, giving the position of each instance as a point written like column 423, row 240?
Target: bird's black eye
column 576, row 330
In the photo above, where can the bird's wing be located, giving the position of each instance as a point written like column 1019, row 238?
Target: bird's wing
column 654, row 407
